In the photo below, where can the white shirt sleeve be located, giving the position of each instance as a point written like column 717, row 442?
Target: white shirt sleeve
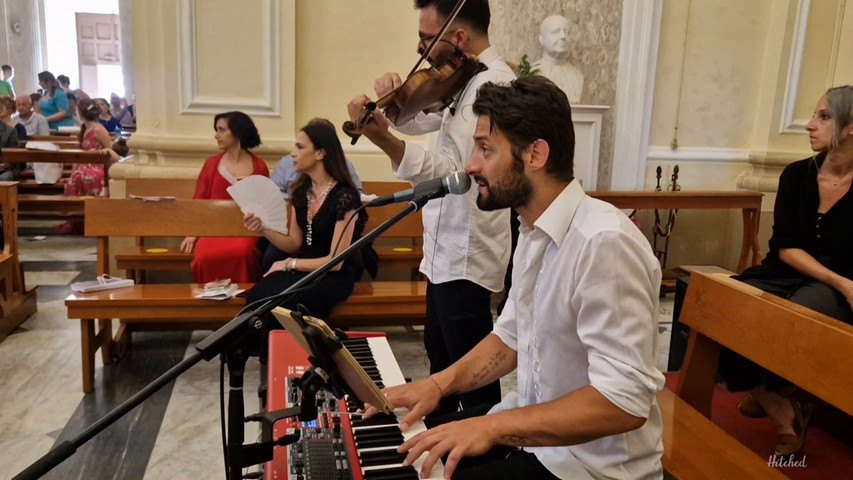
column 617, row 320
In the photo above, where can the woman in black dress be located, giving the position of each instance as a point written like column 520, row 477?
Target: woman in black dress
column 323, row 199
column 809, row 262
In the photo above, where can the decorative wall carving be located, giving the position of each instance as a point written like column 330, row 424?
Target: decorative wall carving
column 268, row 102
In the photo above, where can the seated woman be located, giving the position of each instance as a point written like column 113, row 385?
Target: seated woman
column 105, row 116
column 236, row 258
column 323, row 198
column 809, row 262
column 89, row 178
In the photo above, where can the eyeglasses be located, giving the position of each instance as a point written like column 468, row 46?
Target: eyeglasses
column 424, row 42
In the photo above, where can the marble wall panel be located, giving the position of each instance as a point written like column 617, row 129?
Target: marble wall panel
column 595, row 49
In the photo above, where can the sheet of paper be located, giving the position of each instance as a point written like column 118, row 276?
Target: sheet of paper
column 261, row 197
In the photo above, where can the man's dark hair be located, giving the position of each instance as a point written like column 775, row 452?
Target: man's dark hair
column 242, row 127
column 63, row 80
column 528, row 109
column 474, row 13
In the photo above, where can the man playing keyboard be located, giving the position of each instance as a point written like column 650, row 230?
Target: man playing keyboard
column 579, row 325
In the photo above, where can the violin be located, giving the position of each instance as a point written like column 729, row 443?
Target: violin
column 428, row 90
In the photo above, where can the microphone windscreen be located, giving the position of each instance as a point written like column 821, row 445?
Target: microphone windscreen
column 458, row 183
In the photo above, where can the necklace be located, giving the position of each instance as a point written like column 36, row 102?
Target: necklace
column 834, row 179
column 318, row 200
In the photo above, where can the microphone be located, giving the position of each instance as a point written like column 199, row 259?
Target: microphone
column 455, row 183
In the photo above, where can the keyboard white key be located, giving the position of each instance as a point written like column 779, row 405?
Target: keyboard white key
column 392, row 375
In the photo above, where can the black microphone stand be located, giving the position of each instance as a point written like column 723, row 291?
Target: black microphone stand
column 228, row 339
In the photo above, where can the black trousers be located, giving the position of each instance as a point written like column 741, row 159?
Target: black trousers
column 499, row 463
column 740, row 373
column 459, row 315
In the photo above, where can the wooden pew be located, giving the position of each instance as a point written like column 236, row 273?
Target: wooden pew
column 16, row 301
column 64, row 143
column 748, row 202
column 172, row 306
column 401, row 246
column 808, row 348
column 32, row 204
column 398, row 247
column 23, row 155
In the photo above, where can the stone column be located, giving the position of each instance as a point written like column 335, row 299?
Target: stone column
column 21, row 40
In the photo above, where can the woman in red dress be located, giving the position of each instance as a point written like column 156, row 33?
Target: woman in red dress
column 219, row 258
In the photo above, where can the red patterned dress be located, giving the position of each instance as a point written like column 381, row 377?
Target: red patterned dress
column 88, row 179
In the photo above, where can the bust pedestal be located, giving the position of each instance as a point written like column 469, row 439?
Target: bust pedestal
column 587, row 120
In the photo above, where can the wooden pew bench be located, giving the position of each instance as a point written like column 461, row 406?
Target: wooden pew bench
column 173, row 306
column 809, row 349
column 398, row 247
column 57, row 204
column 16, row 301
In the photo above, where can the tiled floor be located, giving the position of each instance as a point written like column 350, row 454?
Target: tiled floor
column 175, row 434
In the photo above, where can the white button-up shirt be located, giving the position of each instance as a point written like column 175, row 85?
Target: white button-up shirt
column 461, row 242
column 582, row 311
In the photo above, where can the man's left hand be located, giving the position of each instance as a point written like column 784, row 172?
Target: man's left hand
column 465, row 438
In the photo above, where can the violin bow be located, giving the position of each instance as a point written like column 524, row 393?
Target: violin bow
column 437, row 38
column 427, row 51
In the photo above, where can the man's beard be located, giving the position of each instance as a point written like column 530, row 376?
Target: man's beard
column 513, row 190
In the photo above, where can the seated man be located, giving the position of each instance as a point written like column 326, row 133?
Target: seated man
column 579, row 324
column 33, row 122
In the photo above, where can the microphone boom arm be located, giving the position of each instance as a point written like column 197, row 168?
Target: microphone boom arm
column 226, row 338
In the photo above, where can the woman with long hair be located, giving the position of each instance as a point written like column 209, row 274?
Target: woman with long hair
column 89, row 178
column 239, row 258
column 54, row 102
column 809, row 262
column 323, row 200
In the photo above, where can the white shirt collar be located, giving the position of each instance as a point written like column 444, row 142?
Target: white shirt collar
column 557, row 218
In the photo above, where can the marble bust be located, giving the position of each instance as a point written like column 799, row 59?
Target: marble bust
column 554, row 37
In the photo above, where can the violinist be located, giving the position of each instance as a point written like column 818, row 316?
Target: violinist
column 466, row 250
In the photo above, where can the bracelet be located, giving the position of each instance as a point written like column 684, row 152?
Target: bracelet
column 293, row 263
column 440, row 391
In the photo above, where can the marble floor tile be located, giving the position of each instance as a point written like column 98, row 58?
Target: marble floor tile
column 32, row 279
column 57, row 247
column 189, row 443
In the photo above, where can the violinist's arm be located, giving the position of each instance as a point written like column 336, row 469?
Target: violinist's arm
column 377, row 130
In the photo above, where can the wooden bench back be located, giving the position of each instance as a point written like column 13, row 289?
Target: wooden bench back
column 176, row 218
column 9, row 210
column 160, row 187
column 22, row 155
column 807, row 348
column 55, row 137
column 115, row 217
column 66, row 144
column 410, row 226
